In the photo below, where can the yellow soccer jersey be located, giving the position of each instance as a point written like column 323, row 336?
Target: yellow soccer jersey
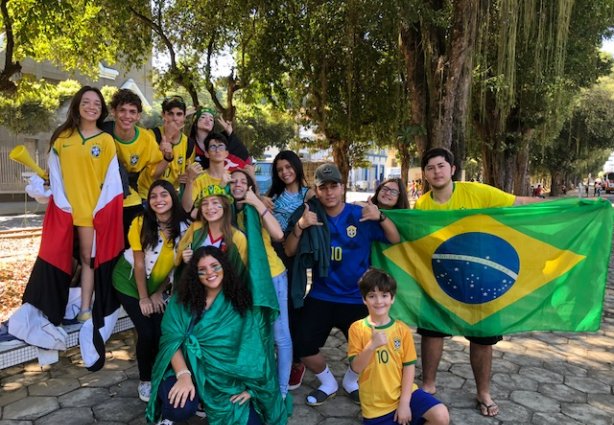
column 139, row 155
column 84, row 163
column 166, row 260
column 468, row 195
column 276, row 265
column 174, row 169
column 380, row 381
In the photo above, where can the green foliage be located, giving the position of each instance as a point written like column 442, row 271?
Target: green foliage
column 32, row 109
column 108, row 92
column 260, row 127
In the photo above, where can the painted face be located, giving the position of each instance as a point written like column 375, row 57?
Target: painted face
column 285, row 172
column 210, row 273
column 90, row 106
column 160, row 201
column 205, row 122
column 378, row 302
column 330, row 194
column 212, row 208
column 438, row 172
column 388, row 195
column 238, row 185
column 126, row 116
column 175, row 115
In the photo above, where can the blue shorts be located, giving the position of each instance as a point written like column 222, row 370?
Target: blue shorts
column 420, row 403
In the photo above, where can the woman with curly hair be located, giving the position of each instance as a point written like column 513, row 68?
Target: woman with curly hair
column 211, row 351
column 144, row 272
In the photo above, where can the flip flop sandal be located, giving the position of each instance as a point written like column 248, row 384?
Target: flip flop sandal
column 319, row 396
column 480, row 405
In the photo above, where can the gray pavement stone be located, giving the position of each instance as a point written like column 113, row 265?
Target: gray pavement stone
column 120, row 409
column 562, row 393
column 512, row 412
column 551, row 338
column 22, row 380
column 540, row 375
column 9, row 422
column 565, row 368
column 535, row 401
column 587, row 385
column 512, row 382
column 30, row 408
column 450, row 380
column 305, row 415
column 604, row 402
column 605, row 376
column 84, row 397
column 103, row 378
column 586, row 414
column 54, row 386
column 525, row 359
column 340, row 421
column 124, row 389
column 340, row 406
column 541, row 418
column 70, row 416
column 9, row 397
column 469, row 417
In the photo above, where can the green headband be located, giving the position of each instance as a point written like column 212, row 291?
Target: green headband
column 202, row 111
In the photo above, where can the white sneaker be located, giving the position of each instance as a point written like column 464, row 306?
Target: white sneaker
column 165, row 422
column 144, row 390
column 200, row 411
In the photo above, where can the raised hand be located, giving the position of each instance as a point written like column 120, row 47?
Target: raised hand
column 378, row 338
column 309, row 218
column 227, row 126
column 370, row 211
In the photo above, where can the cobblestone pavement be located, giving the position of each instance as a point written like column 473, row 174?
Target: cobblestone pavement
column 539, row 378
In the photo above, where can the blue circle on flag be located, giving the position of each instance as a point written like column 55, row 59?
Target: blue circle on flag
column 475, row 267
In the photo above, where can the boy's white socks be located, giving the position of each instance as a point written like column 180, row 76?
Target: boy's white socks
column 350, row 381
column 328, row 383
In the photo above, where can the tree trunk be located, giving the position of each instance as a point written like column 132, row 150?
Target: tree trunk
column 341, row 157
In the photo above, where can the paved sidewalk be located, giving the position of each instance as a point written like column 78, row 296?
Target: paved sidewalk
column 539, row 378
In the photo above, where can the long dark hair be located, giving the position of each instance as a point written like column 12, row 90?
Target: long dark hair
column 149, row 232
column 277, row 185
column 73, row 117
column 402, row 201
column 193, row 294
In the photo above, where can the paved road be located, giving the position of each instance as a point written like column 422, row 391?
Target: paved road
column 539, row 378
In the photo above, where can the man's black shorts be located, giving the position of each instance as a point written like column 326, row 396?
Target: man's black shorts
column 319, row 317
column 484, row 340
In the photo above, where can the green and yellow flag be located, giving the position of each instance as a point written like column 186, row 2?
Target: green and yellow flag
column 501, row 270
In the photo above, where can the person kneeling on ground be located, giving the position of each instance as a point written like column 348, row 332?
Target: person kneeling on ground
column 381, row 350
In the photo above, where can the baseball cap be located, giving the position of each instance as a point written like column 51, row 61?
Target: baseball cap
column 327, row 173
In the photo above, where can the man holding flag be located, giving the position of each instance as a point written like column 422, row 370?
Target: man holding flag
column 438, row 168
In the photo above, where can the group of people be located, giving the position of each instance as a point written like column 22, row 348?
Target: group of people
column 214, row 274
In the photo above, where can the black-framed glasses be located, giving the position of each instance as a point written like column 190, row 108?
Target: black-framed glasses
column 217, row 148
column 393, row 192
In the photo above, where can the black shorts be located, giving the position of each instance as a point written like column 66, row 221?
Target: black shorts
column 318, row 318
column 482, row 340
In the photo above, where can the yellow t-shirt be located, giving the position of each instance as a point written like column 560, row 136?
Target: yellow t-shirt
column 174, row 169
column 84, row 163
column 380, row 381
column 275, row 264
column 238, row 239
column 139, row 155
column 468, row 195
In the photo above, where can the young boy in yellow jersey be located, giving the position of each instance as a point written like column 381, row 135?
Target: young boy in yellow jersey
column 174, row 115
column 137, row 150
column 381, row 350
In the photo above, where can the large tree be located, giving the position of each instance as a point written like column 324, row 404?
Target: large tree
column 532, row 58
column 335, row 64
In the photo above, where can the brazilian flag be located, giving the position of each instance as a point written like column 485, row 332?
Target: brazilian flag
column 498, row 271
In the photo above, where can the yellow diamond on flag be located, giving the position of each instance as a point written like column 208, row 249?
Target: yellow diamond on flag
column 477, row 266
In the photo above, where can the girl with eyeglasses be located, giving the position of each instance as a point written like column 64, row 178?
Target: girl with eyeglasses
column 211, row 351
column 144, row 272
column 391, row 195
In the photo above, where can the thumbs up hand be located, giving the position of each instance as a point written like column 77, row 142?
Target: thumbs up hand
column 370, row 211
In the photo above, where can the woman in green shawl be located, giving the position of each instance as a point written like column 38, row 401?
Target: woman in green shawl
column 211, row 351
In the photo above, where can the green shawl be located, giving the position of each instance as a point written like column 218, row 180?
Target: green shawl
column 226, row 355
